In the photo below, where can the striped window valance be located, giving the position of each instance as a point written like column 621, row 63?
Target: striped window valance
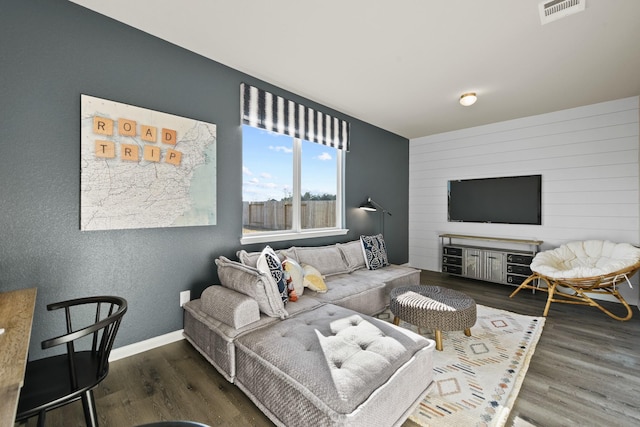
column 265, row 110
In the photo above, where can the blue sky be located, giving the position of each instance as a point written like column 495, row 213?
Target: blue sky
column 267, row 166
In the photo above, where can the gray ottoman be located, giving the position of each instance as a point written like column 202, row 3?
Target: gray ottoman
column 435, row 308
column 331, row 367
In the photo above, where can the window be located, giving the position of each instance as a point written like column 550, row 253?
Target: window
column 292, row 168
column 291, row 188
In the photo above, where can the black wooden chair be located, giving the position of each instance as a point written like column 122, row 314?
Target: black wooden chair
column 55, row 381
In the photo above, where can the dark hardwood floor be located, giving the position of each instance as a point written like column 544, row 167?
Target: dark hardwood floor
column 585, row 372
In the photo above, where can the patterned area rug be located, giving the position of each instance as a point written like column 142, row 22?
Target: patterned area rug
column 477, row 378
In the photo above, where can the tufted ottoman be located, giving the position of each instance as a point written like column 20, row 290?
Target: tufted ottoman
column 435, row 308
column 332, row 366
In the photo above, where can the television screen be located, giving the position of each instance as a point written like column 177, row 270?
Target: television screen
column 504, row 200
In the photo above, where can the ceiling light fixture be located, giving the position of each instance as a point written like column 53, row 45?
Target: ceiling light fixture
column 468, row 99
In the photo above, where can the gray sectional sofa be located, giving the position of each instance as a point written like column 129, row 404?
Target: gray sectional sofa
column 321, row 360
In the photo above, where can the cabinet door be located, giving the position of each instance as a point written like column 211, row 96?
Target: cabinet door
column 473, row 265
column 494, row 266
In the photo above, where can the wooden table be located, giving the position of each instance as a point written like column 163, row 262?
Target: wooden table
column 16, row 317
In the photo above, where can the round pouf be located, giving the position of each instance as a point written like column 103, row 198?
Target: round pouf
column 435, row 308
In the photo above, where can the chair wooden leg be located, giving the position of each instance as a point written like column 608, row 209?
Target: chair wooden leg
column 550, row 290
column 524, row 285
column 89, row 406
column 583, row 295
column 41, row 417
column 624, row 303
column 467, row 332
column 396, row 320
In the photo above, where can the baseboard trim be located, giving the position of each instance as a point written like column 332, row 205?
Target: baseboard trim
column 142, row 346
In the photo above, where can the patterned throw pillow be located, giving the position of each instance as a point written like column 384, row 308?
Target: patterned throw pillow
column 313, row 279
column 294, row 277
column 375, row 251
column 269, row 263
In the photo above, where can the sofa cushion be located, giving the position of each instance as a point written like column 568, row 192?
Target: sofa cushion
column 313, row 279
column 215, row 339
column 252, row 282
column 353, row 254
column 361, row 293
column 326, row 367
column 269, row 263
column 327, row 259
column 375, row 251
column 233, row 308
column 393, row 276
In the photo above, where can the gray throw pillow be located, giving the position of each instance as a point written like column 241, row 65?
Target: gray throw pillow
column 353, row 255
column 327, row 259
column 251, row 258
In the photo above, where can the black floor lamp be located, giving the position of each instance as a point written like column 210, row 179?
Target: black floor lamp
column 371, row 206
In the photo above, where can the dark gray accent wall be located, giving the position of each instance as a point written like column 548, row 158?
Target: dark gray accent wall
column 53, row 51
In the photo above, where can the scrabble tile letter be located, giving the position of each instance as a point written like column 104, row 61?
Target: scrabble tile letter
column 173, row 157
column 105, row 149
column 169, row 136
column 148, row 133
column 102, row 125
column 151, row 153
column 129, row 152
column 127, row 127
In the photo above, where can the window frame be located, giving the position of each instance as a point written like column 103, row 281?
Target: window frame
column 297, row 232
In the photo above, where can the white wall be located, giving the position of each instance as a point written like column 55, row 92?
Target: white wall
column 588, row 158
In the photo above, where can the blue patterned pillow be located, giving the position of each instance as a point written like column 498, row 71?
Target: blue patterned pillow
column 269, row 263
column 375, row 251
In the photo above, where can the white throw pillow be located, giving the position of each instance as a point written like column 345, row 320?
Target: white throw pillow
column 293, row 271
column 269, row 263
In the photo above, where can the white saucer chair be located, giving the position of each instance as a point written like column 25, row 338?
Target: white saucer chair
column 586, row 267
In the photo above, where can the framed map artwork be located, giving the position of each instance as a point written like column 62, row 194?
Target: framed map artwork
column 144, row 169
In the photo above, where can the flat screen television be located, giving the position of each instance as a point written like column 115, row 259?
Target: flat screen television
column 504, row 200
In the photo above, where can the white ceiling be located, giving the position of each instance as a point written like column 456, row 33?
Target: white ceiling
column 402, row 65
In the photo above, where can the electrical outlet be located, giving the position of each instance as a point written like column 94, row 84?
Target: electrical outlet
column 185, row 296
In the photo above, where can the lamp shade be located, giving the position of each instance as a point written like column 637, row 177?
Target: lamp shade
column 372, row 206
column 368, row 206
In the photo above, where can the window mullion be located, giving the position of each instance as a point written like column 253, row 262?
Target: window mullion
column 340, row 220
column 296, row 224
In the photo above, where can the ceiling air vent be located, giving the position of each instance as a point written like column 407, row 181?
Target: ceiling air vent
column 556, row 9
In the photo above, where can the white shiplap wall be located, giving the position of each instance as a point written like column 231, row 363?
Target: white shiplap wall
column 588, row 158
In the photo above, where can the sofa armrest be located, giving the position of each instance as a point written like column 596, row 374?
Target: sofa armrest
column 230, row 307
